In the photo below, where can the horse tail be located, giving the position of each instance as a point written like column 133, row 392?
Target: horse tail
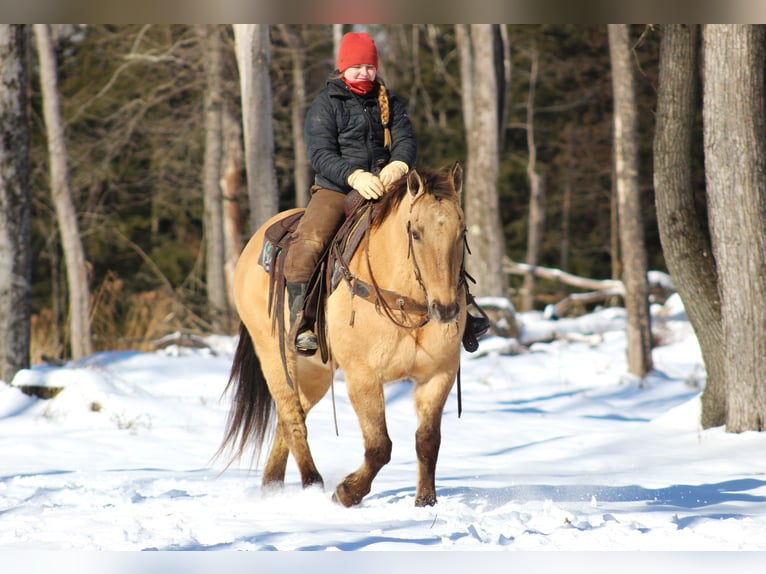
column 252, row 412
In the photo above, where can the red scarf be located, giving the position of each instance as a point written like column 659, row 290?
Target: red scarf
column 361, row 88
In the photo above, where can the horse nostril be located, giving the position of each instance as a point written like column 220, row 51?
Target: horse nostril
column 445, row 313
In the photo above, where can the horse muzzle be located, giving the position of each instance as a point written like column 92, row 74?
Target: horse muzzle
column 444, row 313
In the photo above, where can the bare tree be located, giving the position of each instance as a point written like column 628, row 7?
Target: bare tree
column 682, row 222
column 484, row 229
column 15, row 200
column 632, row 242
column 301, row 168
column 735, row 173
column 217, row 298
column 463, row 35
column 253, row 59
column 337, row 35
column 536, row 223
column 231, row 187
column 74, row 253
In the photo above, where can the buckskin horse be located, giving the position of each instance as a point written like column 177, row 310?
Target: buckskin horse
column 396, row 310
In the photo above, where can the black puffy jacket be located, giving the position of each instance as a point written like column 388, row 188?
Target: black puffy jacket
column 344, row 133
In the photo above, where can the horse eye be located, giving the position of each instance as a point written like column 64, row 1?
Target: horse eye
column 416, row 235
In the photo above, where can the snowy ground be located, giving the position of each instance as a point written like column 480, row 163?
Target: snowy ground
column 557, row 449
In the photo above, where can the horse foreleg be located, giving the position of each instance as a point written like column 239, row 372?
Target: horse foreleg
column 369, row 405
column 429, row 404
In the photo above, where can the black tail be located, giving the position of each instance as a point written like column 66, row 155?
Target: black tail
column 252, row 409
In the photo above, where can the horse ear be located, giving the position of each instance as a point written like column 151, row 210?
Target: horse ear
column 414, row 182
column 457, row 177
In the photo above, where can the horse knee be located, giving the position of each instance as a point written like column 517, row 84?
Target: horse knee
column 379, row 455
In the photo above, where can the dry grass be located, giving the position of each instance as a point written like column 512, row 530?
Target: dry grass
column 119, row 321
column 45, row 339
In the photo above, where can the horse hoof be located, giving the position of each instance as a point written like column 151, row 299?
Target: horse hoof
column 313, row 480
column 425, row 500
column 344, row 498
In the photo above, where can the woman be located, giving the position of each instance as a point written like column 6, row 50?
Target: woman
column 358, row 136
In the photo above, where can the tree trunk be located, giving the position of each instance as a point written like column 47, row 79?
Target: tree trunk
column 15, row 204
column 215, row 279
column 231, row 187
column 301, row 168
column 504, row 77
column 484, row 229
column 634, row 266
column 337, row 36
column 463, row 35
column 74, row 254
column 253, row 59
column 536, row 222
column 735, row 174
column 566, row 204
column 683, row 229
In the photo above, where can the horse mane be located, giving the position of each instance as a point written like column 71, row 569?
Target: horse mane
column 435, row 182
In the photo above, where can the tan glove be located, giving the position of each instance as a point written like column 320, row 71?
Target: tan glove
column 392, row 172
column 367, row 184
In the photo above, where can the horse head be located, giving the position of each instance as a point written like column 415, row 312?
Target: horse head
column 436, row 228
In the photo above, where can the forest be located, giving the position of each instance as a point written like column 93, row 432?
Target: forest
column 593, row 156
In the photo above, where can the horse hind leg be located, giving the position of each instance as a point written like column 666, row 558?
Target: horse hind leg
column 274, row 471
column 291, row 435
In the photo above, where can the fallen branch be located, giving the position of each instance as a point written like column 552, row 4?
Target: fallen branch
column 558, row 275
column 660, row 286
column 560, row 308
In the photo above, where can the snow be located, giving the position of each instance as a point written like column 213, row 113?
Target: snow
column 558, row 448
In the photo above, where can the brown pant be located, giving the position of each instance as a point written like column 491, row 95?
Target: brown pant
column 324, row 216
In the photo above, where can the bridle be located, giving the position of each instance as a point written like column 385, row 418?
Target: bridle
column 390, row 303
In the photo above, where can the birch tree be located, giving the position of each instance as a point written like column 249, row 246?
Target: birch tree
column 66, row 214
column 15, row 200
column 253, row 61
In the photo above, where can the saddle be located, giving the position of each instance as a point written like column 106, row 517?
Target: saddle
column 327, row 274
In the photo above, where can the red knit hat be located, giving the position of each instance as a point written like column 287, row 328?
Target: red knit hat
column 355, row 49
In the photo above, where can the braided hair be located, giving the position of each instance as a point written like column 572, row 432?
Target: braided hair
column 385, row 113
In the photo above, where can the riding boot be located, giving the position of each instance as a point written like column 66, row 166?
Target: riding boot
column 301, row 335
column 475, row 327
